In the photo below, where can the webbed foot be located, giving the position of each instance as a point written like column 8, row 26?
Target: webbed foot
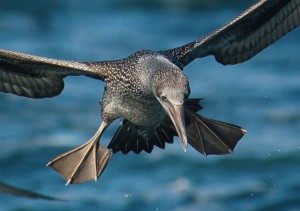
column 84, row 163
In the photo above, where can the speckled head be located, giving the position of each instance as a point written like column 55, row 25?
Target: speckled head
column 171, row 84
column 170, row 87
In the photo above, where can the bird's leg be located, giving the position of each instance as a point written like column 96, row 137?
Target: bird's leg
column 84, row 163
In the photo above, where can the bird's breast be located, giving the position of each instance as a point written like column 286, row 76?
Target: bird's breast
column 138, row 110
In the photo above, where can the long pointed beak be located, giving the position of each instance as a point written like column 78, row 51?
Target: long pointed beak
column 176, row 114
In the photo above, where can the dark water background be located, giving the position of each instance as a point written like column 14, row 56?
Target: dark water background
column 262, row 95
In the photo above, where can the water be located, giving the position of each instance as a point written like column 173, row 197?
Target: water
column 262, row 95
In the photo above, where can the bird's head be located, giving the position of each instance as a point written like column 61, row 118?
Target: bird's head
column 171, row 87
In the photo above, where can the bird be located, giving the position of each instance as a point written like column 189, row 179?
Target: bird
column 149, row 90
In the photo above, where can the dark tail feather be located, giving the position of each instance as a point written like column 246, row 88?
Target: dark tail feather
column 193, row 104
column 131, row 137
column 210, row 136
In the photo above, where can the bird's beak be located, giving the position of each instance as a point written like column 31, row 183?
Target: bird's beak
column 176, row 114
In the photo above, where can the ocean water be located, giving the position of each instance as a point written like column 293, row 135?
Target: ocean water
column 261, row 95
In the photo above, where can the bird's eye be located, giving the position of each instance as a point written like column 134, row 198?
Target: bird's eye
column 164, row 98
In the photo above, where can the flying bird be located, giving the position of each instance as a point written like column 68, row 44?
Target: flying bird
column 149, row 91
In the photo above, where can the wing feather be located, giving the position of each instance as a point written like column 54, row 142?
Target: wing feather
column 245, row 36
column 39, row 77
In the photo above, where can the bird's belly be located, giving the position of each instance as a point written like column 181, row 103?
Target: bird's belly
column 138, row 111
column 145, row 115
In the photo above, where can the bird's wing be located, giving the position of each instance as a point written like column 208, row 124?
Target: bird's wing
column 38, row 77
column 245, row 36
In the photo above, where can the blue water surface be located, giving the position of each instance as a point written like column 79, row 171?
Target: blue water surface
column 261, row 95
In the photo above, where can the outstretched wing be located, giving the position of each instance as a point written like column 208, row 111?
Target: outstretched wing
column 245, row 36
column 38, row 77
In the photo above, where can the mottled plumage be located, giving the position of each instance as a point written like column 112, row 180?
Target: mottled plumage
column 149, row 90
